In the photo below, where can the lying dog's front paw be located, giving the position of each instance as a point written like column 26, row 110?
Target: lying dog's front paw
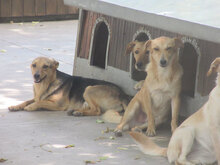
column 77, row 113
column 15, row 108
column 30, row 108
column 151, row 132
column 118, row 133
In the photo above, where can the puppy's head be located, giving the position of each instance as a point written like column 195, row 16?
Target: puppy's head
column 163, row 50
column 43, row 68
column 140, row 54
column 214, row 67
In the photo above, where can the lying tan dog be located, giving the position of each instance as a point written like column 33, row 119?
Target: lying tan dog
column 160, row 90
column 197, row 139
column 137, row 48
column 55, row 90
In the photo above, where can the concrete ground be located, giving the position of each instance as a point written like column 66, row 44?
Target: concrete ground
column 41, row 137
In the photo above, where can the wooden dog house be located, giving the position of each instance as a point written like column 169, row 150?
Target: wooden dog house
column 107, row 26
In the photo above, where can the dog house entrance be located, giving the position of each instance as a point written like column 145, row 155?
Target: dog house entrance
column 135, row 74
column 188, row 60
column 99, row 46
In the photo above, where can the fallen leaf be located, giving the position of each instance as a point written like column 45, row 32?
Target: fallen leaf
column 103, row 158
column 99, row 121
column 49, row 49
column 3, row 50
column 3, row 160
column 137, row 158
column 70, row 146
column 112, row 138
column 100, row 138
column 122, row 148
column 89, row 162
column 35, row 22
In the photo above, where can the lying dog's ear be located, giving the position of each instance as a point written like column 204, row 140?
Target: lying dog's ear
column 55, row 63
column 129, row 47
column 178, row 43
column 215, row 66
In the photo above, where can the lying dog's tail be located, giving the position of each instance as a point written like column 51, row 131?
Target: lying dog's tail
column 112, row 116
column 147, row 146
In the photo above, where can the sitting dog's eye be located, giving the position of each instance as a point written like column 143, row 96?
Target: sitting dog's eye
column 136, row 52
column 169, row 48
column 33, row 65
column 156, row 49
column 45, row 66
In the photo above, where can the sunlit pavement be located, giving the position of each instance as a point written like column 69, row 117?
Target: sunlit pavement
column 53, row 138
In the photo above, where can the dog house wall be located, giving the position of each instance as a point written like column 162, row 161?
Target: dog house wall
column 122, row 32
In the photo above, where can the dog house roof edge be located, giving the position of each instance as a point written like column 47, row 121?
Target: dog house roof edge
column 190, row 18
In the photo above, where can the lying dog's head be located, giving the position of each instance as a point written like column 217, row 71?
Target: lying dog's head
column 140, row 54
column 163, row 50
column 215, row 66
column 43, row 69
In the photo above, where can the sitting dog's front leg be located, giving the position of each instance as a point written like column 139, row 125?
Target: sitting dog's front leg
column 175, row 103
column 20, row 106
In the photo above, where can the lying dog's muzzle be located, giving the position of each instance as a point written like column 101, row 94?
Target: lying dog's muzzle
column 37, row 78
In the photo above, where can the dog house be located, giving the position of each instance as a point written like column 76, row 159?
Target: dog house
column 107, row 26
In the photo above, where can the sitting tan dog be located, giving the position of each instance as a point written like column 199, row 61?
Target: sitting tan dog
column 197, row 139
column 151, row 105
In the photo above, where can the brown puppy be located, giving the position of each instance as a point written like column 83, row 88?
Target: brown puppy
column 197, row 139
column 55, row 90
column 140, row 54
column 161, row 88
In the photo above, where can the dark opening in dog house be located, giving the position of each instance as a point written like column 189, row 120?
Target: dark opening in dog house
column 135, row 74
column 99, row 45
column 188, row 60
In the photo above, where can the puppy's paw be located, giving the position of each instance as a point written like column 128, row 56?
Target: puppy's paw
column 15, row 108
column 136, row 129
column 30, row 107
column 77, row 113
column 139, row 85
column 118, row 133
column 150, row 131
column 70, row 112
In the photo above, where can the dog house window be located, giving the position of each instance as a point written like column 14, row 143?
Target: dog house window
column 99, row 45
column 135, row 74
column 188, row 60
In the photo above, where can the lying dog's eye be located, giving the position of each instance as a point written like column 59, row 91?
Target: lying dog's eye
column 156, row 49
column 45, row 66
column 33, row 65
column 136, row 52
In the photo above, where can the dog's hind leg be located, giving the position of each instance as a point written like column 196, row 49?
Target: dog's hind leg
column 92, row 109
column 180, row 145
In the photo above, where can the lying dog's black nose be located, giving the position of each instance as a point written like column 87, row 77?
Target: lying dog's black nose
column 139, row 65
column 163, row 62
column 36, row 76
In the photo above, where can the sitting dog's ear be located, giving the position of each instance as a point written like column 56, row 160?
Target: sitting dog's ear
column 129, row 47
column 178, row 43
column 147, row 44
column 215, row 66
